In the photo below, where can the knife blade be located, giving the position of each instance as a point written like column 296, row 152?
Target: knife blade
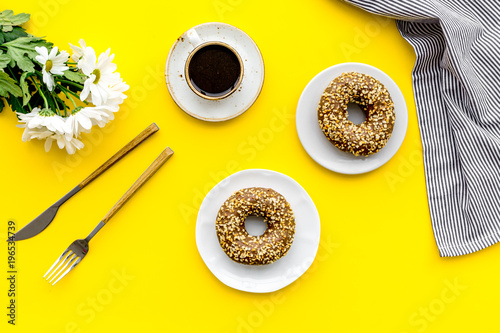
column 43, row 220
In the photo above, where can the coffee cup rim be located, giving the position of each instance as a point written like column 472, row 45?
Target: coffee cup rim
column 188, row 61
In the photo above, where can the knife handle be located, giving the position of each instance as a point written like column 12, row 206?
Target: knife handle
column 153, row 128
column 150, row 171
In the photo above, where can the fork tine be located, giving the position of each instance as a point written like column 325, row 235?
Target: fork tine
column 55, row 263
column 69, row 254
column 69, row 259
column 69, row 269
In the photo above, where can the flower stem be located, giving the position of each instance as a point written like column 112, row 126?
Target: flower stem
column 69, row 82
column 64, row 90
column 71, row 92
column 41, row 93
column 12, row 74
column 55, row 103
column 65, row 107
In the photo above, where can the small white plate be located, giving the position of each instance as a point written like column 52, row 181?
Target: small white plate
column 323, row 151
column 236, row 103
column 267, row 278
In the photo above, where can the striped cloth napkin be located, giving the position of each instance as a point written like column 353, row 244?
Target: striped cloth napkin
column 456, row 81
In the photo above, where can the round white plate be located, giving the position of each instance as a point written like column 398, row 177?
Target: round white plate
column 267, row 278
column 323, row 151
column 236, row 103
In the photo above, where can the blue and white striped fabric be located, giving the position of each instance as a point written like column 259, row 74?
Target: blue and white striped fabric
column 456, row 81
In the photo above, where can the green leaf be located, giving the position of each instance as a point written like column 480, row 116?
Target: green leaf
column 8, row 86
column 2, row 104
column 14, row 34
column 24, row 88
column 74, row 76
column 15, row 104
column 8, row 19
column 4, row 60
column 22, row 51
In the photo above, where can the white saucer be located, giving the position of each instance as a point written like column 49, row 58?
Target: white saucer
column 231, row 106
column 315, row 142
column 268, row 278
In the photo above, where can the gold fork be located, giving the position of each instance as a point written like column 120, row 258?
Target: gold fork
column 79, row 248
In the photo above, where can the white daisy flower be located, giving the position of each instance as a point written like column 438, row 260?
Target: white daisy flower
column 83, row 119
column 100, row 76
column 80, row 53
column 26, row 117
column 43, row 118
column 40, row 131
column 53, row 63
column 101, row 114
column 34, row 133
column 78, row 122
column 117, row 95
column 64, row 140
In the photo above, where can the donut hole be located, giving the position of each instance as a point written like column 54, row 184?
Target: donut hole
column 255, row 225
column 355, row 114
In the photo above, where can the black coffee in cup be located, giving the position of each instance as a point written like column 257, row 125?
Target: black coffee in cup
column 214, row 70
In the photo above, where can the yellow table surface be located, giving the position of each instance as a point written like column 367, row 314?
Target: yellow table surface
column 377, row 268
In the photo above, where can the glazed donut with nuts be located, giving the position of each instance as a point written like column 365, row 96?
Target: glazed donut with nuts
column 374, row 99
column 244, row 248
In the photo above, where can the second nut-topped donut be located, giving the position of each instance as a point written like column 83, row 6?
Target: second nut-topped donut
column 374, row 99
column 255, row 250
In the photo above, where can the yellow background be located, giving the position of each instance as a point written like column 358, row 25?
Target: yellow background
column 377, row 269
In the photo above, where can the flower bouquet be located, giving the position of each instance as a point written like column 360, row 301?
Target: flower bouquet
column 56, row 97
